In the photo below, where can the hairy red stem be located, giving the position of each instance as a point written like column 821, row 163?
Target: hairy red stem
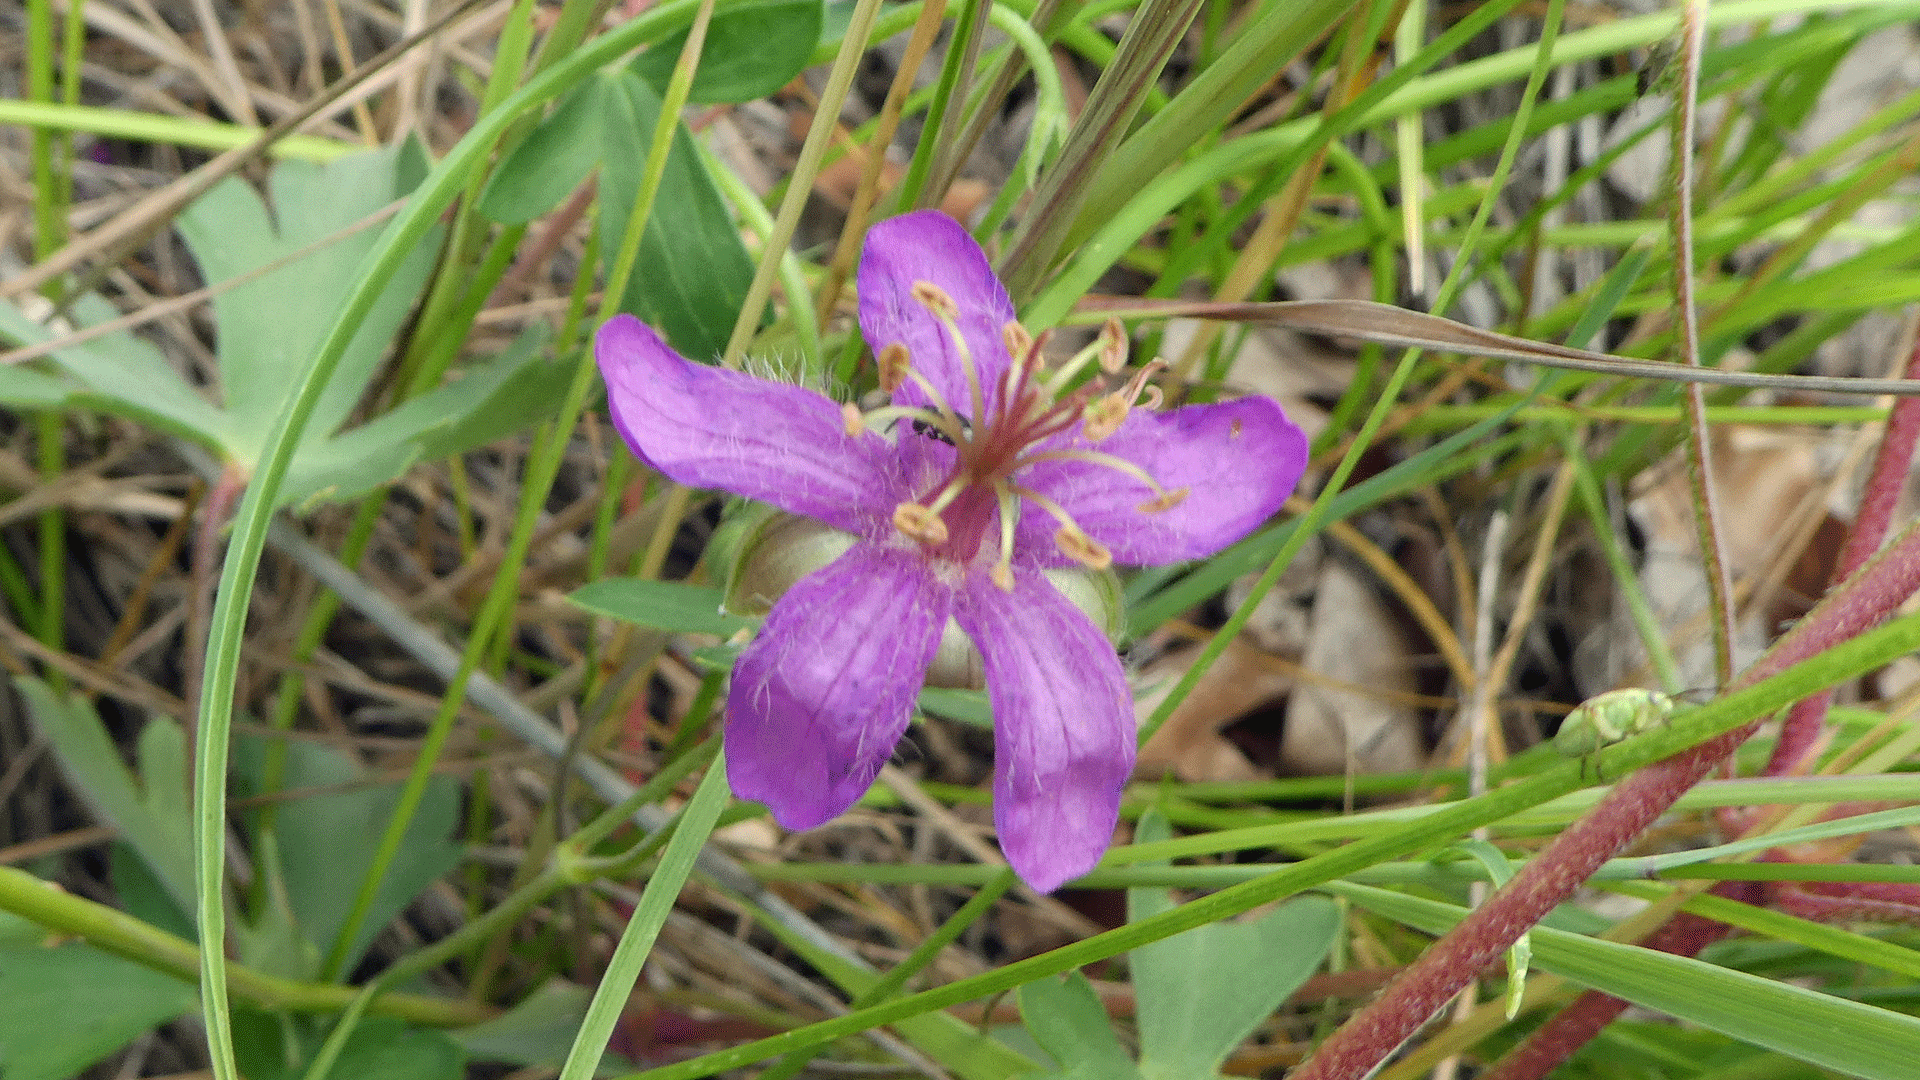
column 1801, row 729
column 1576, row 1025
column 1864, row 599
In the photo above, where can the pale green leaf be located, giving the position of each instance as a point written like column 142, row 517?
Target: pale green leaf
column 663, row 605
column 69, row 1006
column 1201, row 993
column 1066, row 1018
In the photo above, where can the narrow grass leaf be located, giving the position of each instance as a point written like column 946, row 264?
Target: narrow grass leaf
column 1820, row 1029
column 663, row 605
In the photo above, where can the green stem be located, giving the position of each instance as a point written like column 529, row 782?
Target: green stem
column 544, row 467
column 663, row 888
column 997, row 882
column 119, row 933
column 235, row 591
column 1848, row 660
column 47, row 116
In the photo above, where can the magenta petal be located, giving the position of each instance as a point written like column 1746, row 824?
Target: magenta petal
column 1238, row 460
column 929, row 246
column 823, row 694
column 1063, row 726
column 708, row 427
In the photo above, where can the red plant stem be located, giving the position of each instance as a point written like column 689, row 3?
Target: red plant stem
column 1801, row 729
column 1370, row 1035
column 1576, row 1025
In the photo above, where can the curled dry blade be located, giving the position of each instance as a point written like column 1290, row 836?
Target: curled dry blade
column 1384, row 324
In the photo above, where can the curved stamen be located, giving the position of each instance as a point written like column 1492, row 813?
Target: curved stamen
column 1002, row 573
column 1106, row 413
column 1117, row 464
column 936, row 301
column 1072, row 540
column 920, row 523
column 940, row 406
column 1113, row 352
column 1112, row 342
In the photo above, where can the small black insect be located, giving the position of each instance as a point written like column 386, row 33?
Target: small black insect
column 921, row 427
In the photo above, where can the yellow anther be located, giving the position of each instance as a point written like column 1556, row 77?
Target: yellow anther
column 1016, row 339
column 1002, row 577
column 853, row 419
column 920, row 523
column 1104, row 415
column 1113, row 346
column 1083, row 549
column 894, row 364
column 1166, row 501
column 935, row 299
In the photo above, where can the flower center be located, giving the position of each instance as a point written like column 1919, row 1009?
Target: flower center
column 1003, row 431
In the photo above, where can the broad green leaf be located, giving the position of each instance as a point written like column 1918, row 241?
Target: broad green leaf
column 270, row 327
column 26, row 389
column 123, row 376
column 142, row 895
column 1066, row 1018
column 1831, row 1032
column 486, row 401
column 153, row 819
column 380, row 1048
column 693, row 272
column 663, row 605
column 550, row 162
column 327, row 841
column 753, row 48
column 536, row 1032
column 966, row 706
column 1201, row 993
column 69, row 1006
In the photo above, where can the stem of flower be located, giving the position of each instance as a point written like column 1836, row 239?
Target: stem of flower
column 1890, row 466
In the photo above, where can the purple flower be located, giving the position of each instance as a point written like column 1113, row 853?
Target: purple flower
column 983, row 472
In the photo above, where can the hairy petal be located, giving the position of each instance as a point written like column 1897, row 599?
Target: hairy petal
column 929, row 246
column 1063, row 726
column 823, row 694
column 1238, row 460
column 708, row 427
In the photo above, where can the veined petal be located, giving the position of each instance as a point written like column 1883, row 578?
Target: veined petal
column 929, row 246
column 1237, row 460
column 823, row 694
column 708, row 427
column 1063, row 726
